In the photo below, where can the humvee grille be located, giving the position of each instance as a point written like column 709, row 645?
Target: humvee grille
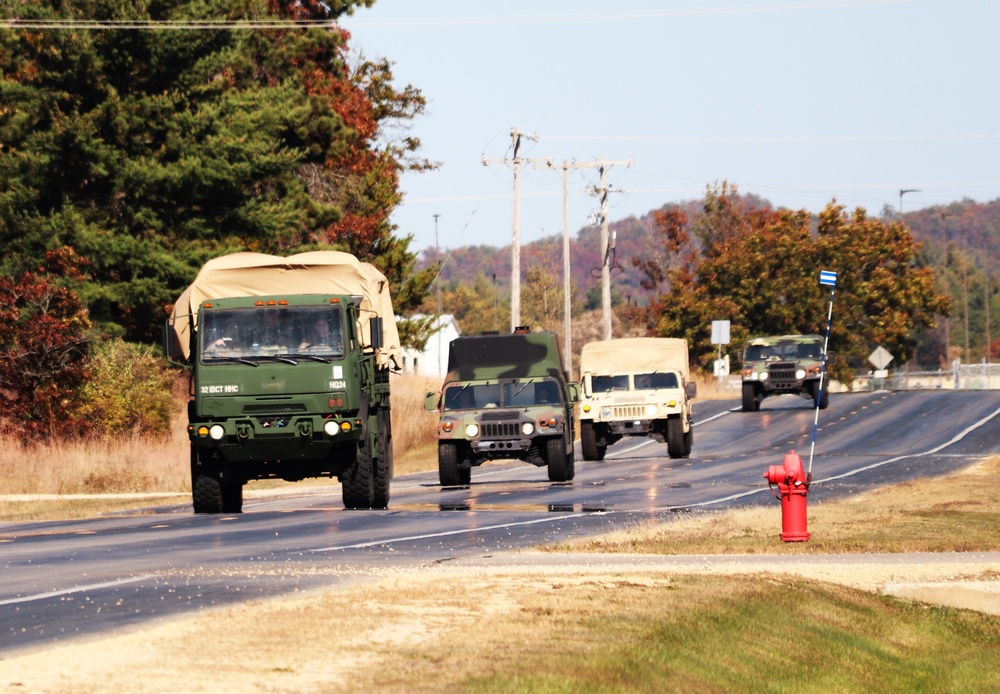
column 629, row 412
column 782, row 372
column 500, row 430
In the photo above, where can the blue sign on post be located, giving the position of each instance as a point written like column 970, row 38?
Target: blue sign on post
column 828, row 278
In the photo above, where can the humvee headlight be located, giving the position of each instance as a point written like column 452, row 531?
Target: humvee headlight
column 651, row 410
column 762, row 375
column 217, row 432
column 606, row 412
column 800, row 374
column 472, row 430
column 331, row 427
column 527, row 428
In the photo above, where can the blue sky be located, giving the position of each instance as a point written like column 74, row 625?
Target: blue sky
column 798, row 101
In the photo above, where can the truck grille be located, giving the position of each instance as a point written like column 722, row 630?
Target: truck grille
column 781, row 372
column 629, row 412
column 500, row 430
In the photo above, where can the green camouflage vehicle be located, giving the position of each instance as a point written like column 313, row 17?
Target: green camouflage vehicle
column 504, row 397
column 289, row 361
column 784, row 364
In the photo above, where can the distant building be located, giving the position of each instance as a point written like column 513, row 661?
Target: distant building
column 433, row 360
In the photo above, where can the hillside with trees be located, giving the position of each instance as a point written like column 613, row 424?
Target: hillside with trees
column 944, row 258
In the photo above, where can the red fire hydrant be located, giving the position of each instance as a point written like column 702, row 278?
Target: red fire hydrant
column 793, row 486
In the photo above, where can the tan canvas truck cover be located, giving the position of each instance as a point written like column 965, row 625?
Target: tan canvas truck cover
column 635, row 355
column 315, row 272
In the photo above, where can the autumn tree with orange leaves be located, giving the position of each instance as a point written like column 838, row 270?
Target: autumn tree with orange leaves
column 151, row 151
column 759, row 268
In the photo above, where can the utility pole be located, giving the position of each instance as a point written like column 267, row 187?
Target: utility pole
column 904, row 191
column 515, row 252
column 437, row 252
column 607, row 244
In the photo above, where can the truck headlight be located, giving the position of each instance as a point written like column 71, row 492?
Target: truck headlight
column 217, row 432
column 800, row 374
column 331, row 427
column 527, row 428
column 472, row 430
column 762, row 375
column 651, row 410
column 606, row 412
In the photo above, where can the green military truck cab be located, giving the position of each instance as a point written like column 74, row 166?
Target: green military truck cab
column 504, row 397
column 636, row 387
column 784, row 364
column 290, row 361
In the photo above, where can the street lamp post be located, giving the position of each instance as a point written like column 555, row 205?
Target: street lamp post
column 904, row 191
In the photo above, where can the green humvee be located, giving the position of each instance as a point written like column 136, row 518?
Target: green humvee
column 783, row 364
column 505, row 397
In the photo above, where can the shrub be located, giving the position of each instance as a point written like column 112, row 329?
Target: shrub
column 130, row 392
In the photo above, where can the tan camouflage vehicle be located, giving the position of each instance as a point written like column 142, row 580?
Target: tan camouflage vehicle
column 638, row 386
column 783, row 364
column 505, row 397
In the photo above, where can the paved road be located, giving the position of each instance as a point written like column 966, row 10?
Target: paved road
column 64, row 579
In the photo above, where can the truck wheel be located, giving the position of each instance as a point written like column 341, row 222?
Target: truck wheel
column 559, row 463
column 588, row 442
column 383, row 458
column 206, row 492
column 820, row 400
column 675, row 438
column 688, row 442
column 449, row 471
column 357, row 484
column 751, row 403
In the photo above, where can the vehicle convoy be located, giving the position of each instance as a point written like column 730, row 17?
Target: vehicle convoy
column 505, row 397
column 783, row 364
column 637, row 386
column 289, row 360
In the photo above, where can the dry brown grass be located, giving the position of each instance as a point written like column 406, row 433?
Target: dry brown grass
column 414, row 429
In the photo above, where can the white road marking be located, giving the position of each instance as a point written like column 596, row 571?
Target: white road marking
column 77, row 589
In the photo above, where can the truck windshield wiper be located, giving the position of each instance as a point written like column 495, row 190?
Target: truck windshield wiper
column 523, row 387
column 284, row 358
column 232, row 360
column 311, row 357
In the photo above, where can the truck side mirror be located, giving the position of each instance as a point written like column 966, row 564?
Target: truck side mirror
column 691, row 390
column 375, row 328
column 573, row 392
column 430, row 402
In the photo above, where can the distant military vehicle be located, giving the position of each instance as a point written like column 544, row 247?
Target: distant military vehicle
column 290, row 360
column 505, row 396
column 637, row 386
column 783, row 364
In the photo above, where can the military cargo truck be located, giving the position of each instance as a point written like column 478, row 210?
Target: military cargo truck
column 783, row 364
column 637, row 386
column 289, row 360
column 505, row 397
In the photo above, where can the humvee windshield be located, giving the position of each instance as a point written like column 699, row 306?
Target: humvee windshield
column 606, row 384
column 509, row 394
column 248, row 333
column 655, row 381
column 784, row 350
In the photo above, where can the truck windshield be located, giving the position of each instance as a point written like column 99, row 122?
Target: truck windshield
column 290, row 331
column 528, row 393
column 472, row 396
column 655, row 381
column 784, row 350
column 606, row 384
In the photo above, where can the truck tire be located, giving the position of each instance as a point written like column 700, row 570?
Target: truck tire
column 751, row 403
column 688, row 442
column 383, row 459
column 560, row 464
column 820, row 400
column 675, row 438
column 588, row 442
column 206, row 493
column 449, row 470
